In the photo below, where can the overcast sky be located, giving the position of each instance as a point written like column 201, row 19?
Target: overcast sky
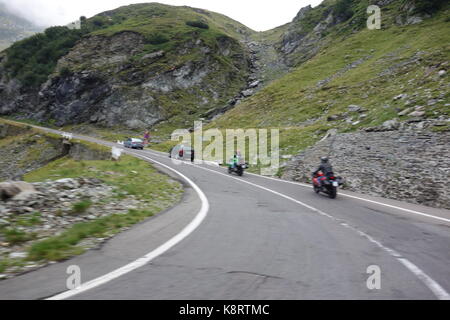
column 259, row 15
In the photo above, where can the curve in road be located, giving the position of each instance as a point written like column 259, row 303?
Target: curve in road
column 269, row 239
column 152, row 255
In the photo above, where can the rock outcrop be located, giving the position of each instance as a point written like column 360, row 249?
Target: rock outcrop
column 53, row 207
column 410, row 163
column 122, row 78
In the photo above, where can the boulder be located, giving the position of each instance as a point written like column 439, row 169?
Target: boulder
column 254, row 84
column 13, row 189
column 153, row 55
column 18, row 255
column 414, row 20
column 405, row 112
column 417, row 114
column 335, row 117
column 401, row 96
column 391, row 125
column 247, row 93
column 354, row 108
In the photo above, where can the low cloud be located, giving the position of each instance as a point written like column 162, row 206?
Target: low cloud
column 41, row 13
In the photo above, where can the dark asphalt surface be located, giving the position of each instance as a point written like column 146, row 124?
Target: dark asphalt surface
column 257, row 244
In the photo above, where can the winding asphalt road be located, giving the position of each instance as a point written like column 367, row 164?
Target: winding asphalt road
column 259, row 238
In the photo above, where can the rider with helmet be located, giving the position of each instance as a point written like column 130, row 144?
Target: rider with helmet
column 326, row 168
column 236, row 160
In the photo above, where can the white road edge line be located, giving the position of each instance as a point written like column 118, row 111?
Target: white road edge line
column 160, row 154
column 431, row 284
column 202, row 214
column 358, row 198
column 346, row 195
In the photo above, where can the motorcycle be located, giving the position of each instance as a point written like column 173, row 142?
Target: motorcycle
column 238, row 169
column 328, row 185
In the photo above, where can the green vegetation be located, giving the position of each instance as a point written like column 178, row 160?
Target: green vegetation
column 343, row 9
column 156, row 39
column 8, row 263
column 32, row 60
column 300, row 107
column 154, row 189
column 3, row 265
column 198, row 24
column 15, row 236
column 390, row 61
column 63, row 246
column 29, row 220
column 427, row 6
column 82, row 206
column 128, row 177
column 65, row 72
column 175, row 22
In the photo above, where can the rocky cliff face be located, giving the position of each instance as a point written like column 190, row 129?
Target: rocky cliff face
column 408, row 163
column 23, row 150
column 110, row 89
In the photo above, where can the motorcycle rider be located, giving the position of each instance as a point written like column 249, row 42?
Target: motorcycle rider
column 236, row 160
column 326, row 168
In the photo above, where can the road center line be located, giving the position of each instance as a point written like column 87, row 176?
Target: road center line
column 345, row 195
column 358, row 198
column 431, row 284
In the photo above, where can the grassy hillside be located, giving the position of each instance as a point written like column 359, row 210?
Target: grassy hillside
column 167, row 21
column 365, row 68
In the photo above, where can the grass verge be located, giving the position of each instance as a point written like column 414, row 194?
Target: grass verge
column 129, row 176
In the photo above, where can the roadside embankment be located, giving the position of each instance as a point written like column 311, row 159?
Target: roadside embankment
column 73, row 197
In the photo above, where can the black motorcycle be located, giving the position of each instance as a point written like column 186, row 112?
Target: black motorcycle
column 238, row 169
column 328, row 185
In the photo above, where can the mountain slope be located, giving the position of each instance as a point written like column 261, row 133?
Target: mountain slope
column 377, row 102
column 133, row 67
column 161, row 66
column 364, row 68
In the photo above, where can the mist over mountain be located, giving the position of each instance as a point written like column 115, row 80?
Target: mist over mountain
column 13, row 27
